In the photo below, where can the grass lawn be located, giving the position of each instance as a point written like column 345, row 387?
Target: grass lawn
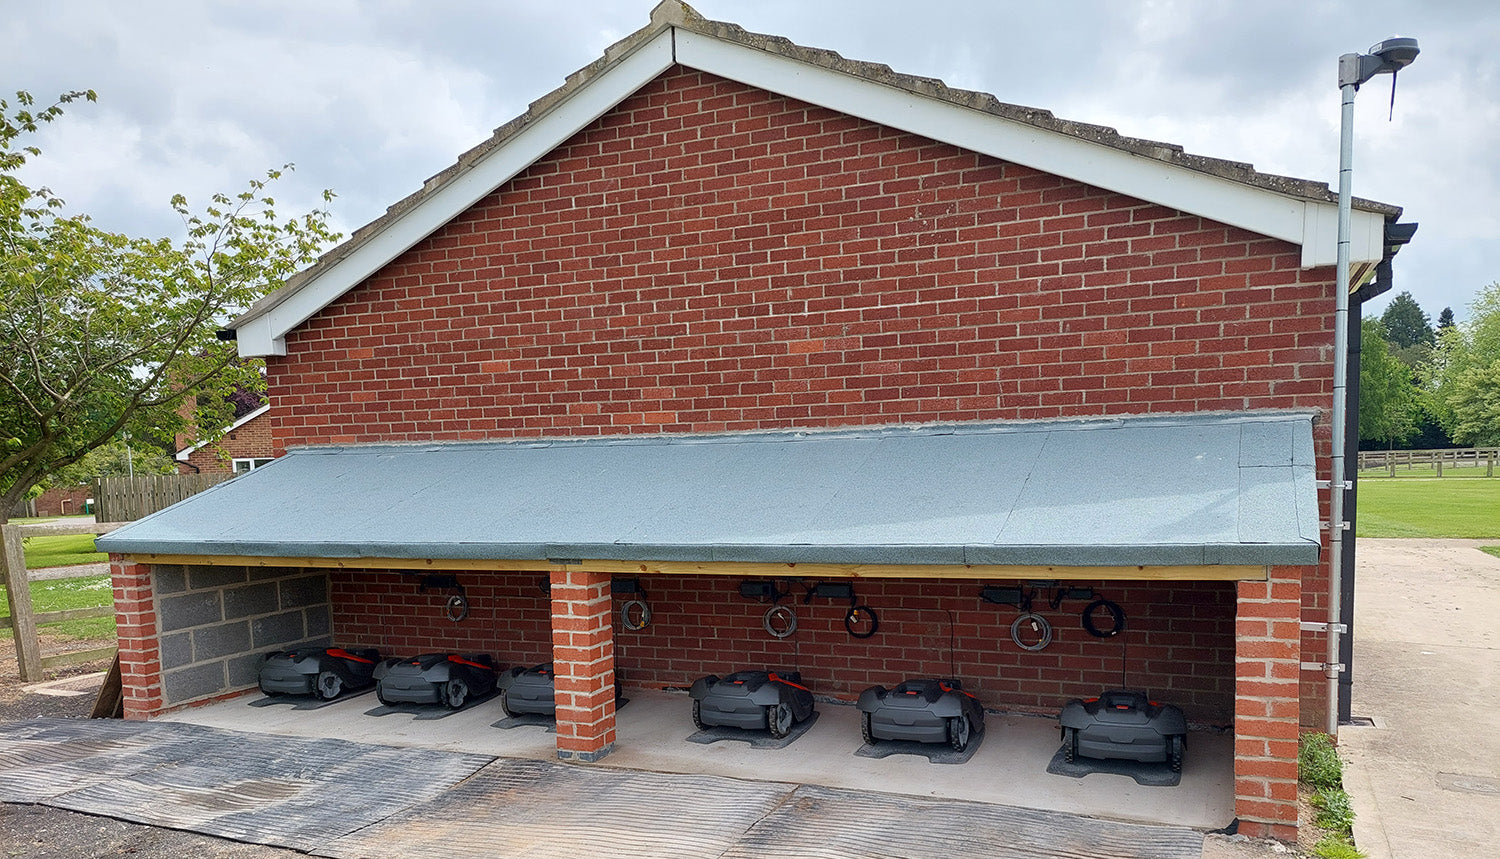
column 1429, row 508
column 61, row 551
column 59, row 594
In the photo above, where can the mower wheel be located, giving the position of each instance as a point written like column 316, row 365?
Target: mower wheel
column 505, row 703
column 456, row 693
column 1174, row 752
column 867, row 728
column 959, row 732
column 329, row 685
column 779, row 720
column 698, row 715
column 380, row 696
column 1070, row 744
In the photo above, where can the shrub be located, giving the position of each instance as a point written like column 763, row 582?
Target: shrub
column 1318, row 763
column 1334, row 811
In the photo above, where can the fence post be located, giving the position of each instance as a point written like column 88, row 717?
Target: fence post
column 18, row 591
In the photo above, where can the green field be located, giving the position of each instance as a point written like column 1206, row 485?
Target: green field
column 60, row 594
column 61, row 551
column 1429, row 508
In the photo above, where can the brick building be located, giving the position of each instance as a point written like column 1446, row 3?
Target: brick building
column 245, row 445
column 723, row 308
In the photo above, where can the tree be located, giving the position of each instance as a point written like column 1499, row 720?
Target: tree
column 1445, row 320
column 1465, row 375
column 1406, row 324
column 103, row 333
column 1387, row 396
column 1408, row 331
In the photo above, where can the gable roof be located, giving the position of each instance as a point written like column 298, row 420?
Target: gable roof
column 1215, row 490
column 182, row 455
column 1298, row 211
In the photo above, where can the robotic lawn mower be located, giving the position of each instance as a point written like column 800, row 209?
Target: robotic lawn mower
column 1125, row 726
column 528, row 691
column 435, row 678
column 925, row 711
column 324, row 672
column 753, row 700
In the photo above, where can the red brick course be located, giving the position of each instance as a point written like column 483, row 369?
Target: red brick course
column 140, row 651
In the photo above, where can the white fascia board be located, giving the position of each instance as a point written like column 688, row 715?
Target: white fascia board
column 266, row 334
column 182, row 455
column 1366, row 236
column 1256, row 209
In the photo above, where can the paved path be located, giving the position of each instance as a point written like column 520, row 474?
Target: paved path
column 1425, row 776
column 74, row 571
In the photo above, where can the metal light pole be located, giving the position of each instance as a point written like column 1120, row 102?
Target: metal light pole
column 1391, row 56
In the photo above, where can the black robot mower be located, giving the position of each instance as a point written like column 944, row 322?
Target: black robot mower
column 753, row 700
column 928, row 710
column 1124, row 726
column 324, row 672
column 450, row 679
column 528, row 691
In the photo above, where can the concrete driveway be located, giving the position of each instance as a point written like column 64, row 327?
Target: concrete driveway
column 1424, row 775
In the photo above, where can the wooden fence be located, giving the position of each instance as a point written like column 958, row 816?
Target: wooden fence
column 22, row 620
column 125, row 499
column 1464, row 457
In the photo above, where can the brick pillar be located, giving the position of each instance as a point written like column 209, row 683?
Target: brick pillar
column 1267, row 656
column 583, row 657
column 140, row 647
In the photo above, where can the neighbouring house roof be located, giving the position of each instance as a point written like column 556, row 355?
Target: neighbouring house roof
column 182, row 455
column 1295, row 210
column 1189, row 490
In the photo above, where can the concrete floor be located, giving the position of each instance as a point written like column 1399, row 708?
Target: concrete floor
column 1008, row 769
column 1424, row 773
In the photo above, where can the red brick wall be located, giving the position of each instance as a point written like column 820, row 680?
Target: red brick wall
column 1179, row 636
column 60, row 501
column 251, row 440
column 710, row 257
column 509, row 615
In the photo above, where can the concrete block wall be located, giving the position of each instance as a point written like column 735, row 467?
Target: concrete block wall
column 216, row 623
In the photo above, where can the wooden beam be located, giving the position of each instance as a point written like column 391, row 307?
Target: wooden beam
column 986, row 572
column 57, row 529
column 78, row 656
column 18, row 591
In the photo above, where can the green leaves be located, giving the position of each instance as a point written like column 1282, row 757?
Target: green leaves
column 1465, row 373
column 101, row 332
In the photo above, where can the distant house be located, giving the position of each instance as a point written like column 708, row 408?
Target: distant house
column 726, row 309
column 245, row 446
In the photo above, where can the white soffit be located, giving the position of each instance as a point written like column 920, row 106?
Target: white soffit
column 1310, row 224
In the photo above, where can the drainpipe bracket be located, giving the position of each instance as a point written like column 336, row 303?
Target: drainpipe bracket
column 1323, row 626
column 1337, row 668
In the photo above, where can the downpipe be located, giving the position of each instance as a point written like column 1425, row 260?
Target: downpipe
column 1336, row 489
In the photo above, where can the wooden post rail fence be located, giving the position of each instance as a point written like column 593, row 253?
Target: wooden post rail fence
column 1463, row 457
column 22, row 620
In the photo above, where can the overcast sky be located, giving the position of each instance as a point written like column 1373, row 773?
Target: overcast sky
column 370, row 98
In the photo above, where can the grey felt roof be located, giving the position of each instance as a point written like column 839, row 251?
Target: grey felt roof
column 1223, row 489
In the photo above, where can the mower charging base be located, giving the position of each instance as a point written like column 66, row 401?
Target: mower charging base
column 1143, row 773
